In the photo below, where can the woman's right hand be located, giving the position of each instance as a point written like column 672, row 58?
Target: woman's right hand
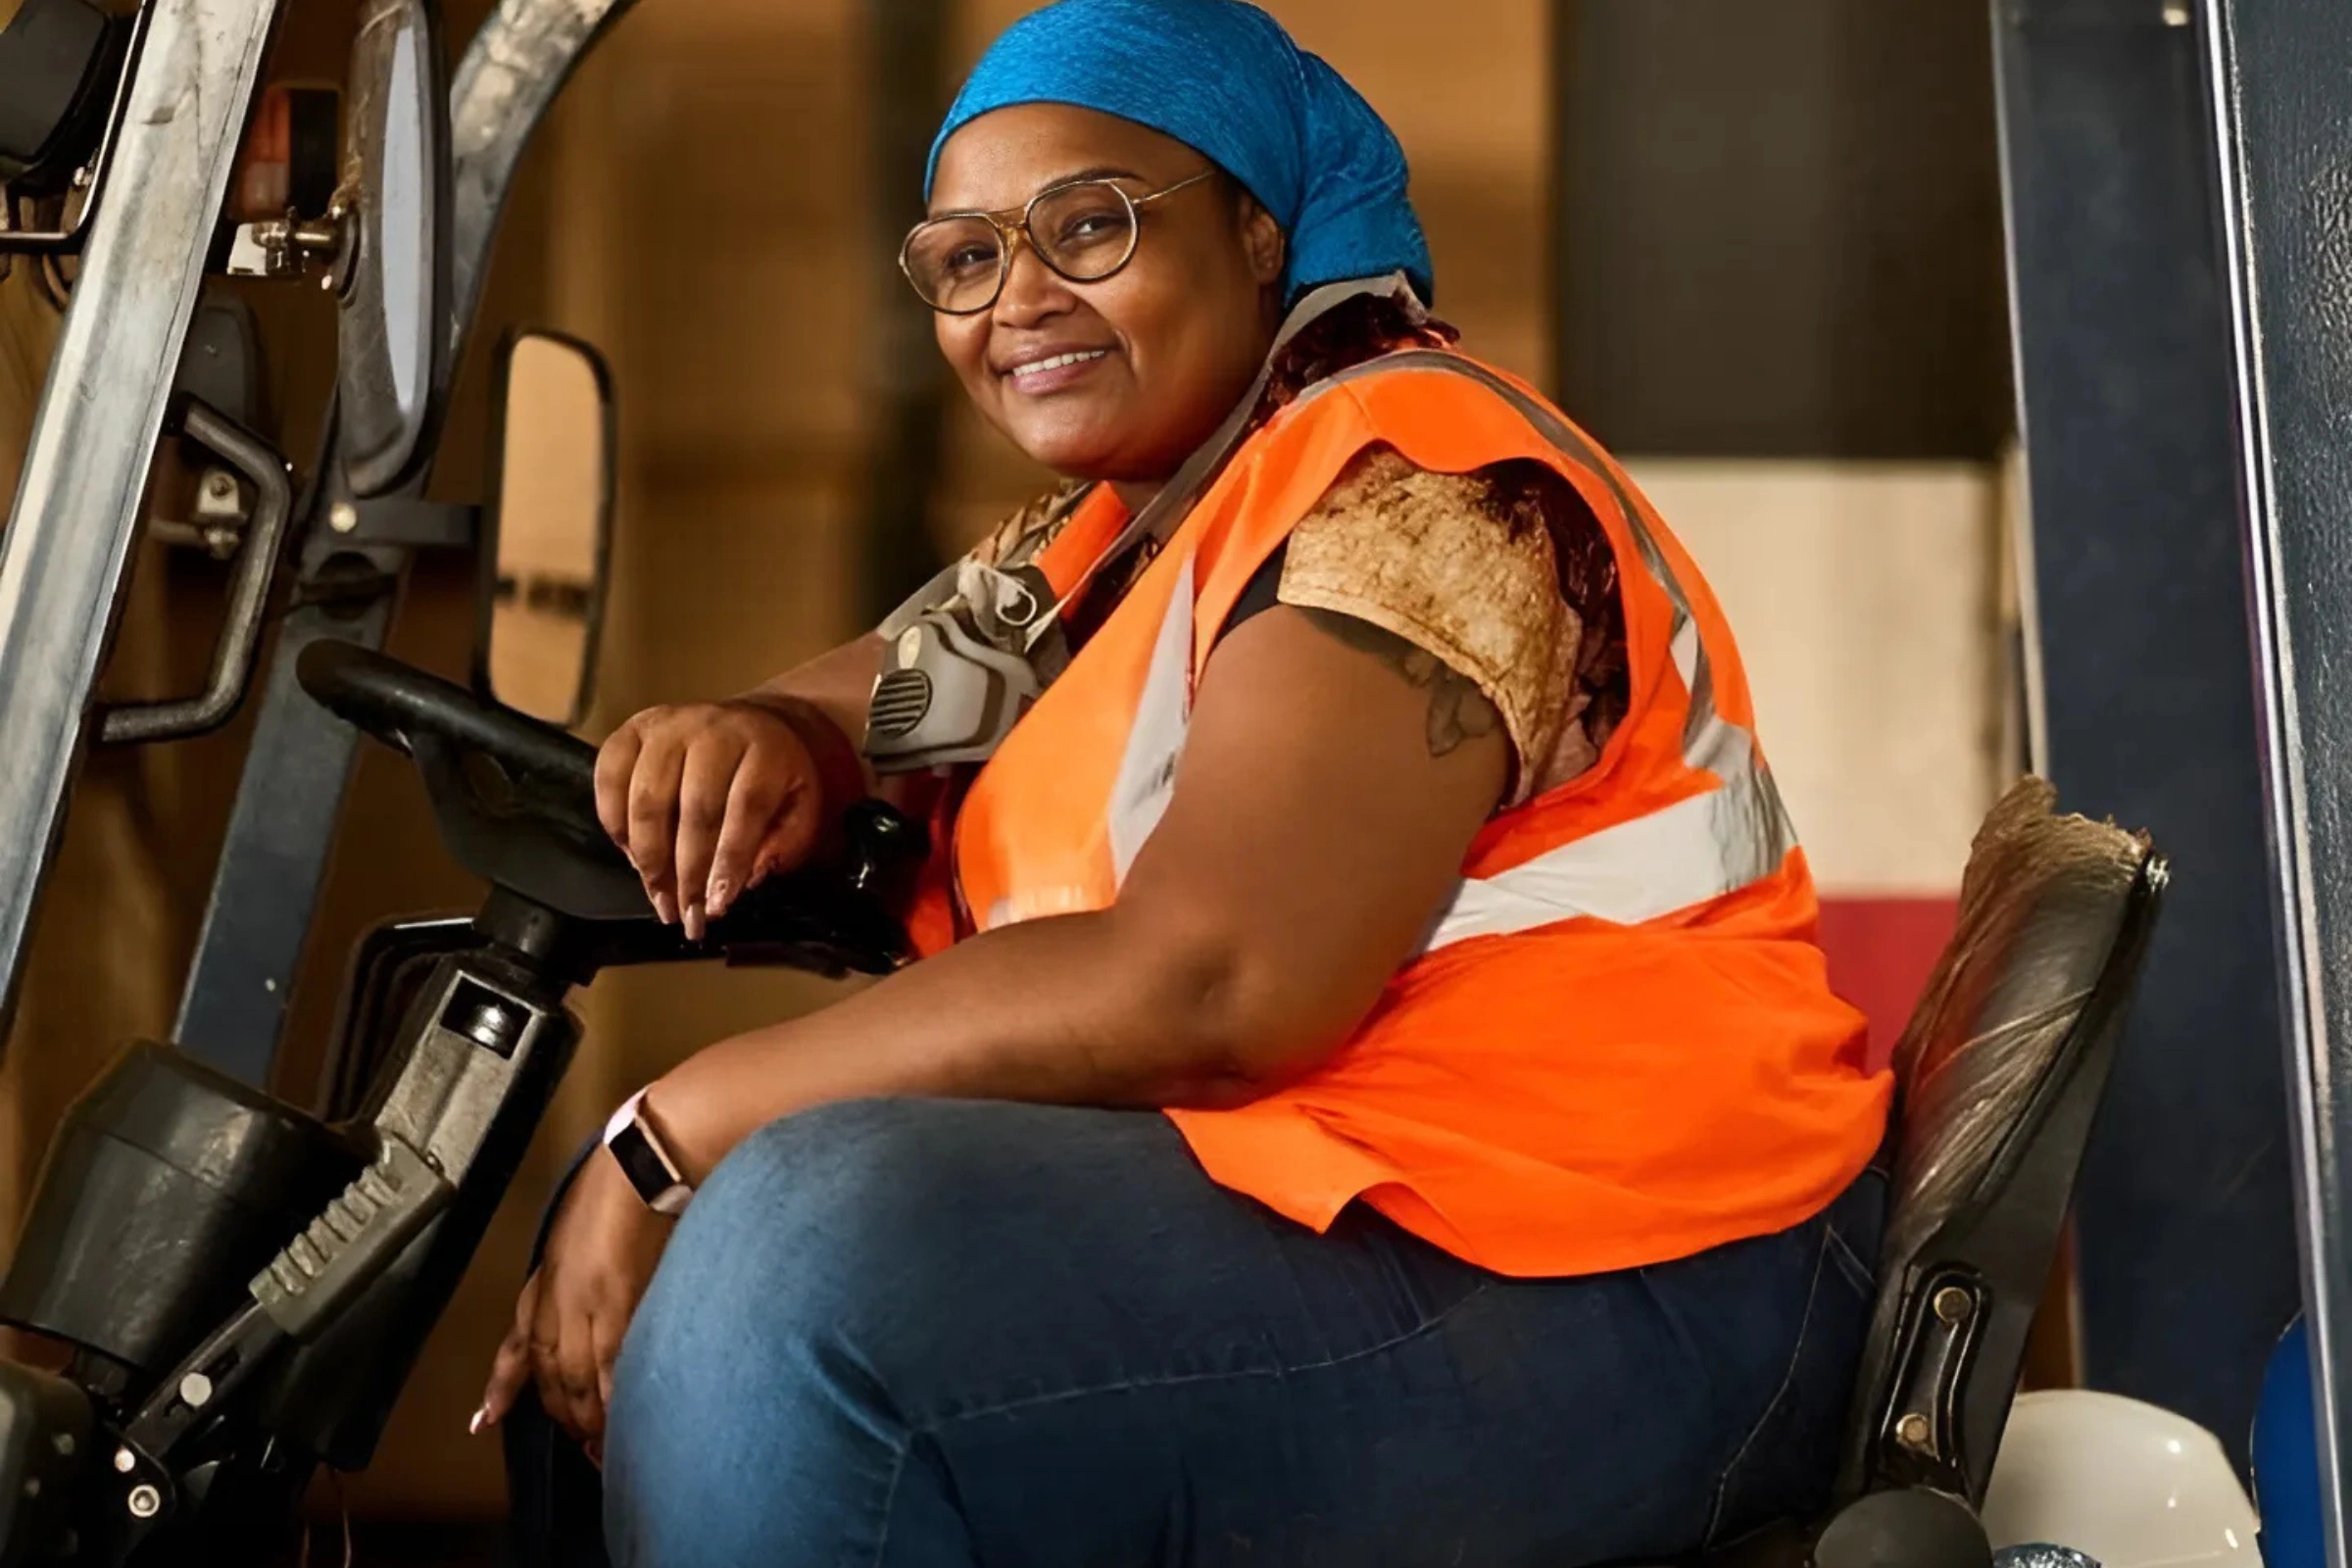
column 707, row 799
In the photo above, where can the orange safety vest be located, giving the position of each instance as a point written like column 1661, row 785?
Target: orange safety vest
column 1618, row 1044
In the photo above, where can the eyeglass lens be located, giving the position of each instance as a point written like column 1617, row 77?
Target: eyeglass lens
column 1084, row 231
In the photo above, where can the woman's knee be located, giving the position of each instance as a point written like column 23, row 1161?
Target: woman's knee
column 829, row 1225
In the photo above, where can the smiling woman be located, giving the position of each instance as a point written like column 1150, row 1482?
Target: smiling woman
column 1069, row 389
column 1370, row 1094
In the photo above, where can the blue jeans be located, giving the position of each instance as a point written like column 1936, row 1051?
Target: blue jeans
column 918, row 1334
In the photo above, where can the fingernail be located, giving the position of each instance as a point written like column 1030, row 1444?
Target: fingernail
column 722, row 892
column 694, row 920
column 665, row 909
column 482, row 1419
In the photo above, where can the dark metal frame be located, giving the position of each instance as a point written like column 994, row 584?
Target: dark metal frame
column 2278, row 74
column 2140, row 661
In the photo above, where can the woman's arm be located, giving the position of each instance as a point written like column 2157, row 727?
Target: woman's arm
column 1331, row 779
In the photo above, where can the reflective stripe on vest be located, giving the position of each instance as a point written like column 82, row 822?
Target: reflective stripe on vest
column 1676, row 858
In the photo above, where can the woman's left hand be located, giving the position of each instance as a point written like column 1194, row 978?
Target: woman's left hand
column 600, row 1256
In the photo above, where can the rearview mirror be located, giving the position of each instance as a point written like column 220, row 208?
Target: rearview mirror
column 394, row 336
column 546, row 533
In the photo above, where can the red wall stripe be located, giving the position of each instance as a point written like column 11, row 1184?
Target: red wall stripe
column 1881, row 952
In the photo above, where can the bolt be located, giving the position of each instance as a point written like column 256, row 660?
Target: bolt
column 2175, row 12
column 196, row 1390
column 1912, row 1430
column 491, row 1026
column 343, row 517
column 220, row 485
column 81, row 177
column 63, row 1443
column 1954, row 1304
column 125, row 1462
column 145, row 1502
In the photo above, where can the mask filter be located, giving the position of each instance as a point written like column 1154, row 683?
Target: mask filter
column 946, row 695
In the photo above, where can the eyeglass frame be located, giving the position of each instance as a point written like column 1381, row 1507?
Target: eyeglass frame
column 1009, row 232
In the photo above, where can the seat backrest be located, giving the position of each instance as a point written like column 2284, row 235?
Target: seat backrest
column 1998, row 1077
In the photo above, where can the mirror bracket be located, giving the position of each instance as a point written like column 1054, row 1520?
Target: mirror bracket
column 283, row 249
column 408, row 522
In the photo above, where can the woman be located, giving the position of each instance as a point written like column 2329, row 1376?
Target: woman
column 1372, row 1097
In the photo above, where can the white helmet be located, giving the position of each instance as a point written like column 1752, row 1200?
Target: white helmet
column 2125, row 1483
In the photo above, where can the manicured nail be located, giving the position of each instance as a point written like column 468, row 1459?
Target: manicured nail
column 665, row 909
column 694, row 920
column 482, row 1419
column 722, row 892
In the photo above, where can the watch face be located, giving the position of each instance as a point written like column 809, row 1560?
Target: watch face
column 642, row 1163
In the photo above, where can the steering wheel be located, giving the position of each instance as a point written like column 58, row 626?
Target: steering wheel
column 516, row 801
column 396, row 703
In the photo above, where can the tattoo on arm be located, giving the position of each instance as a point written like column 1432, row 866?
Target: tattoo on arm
column 1457, row 709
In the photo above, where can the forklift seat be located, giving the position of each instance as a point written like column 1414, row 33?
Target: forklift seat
column 1998, row 1078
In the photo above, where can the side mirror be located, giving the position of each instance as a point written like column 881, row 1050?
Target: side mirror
column 394, row 337
column 547, row 528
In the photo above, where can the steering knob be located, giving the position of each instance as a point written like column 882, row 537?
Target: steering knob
column 885, row 847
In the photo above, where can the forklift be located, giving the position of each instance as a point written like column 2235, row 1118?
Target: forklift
column 243, row 1285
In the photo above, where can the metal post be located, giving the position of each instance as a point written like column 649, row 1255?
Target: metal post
column 77, row 511
column 2185, row 1244
column 280, row 828
column 290, row 796
column 513, row 69
column 2280, row 72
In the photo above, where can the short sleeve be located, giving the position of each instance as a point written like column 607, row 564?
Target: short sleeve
column 1474, row 569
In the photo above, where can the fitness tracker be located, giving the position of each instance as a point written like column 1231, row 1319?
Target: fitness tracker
column 639, row 1152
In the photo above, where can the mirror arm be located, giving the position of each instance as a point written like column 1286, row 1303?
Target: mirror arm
column 132, row 724
column 409, row 522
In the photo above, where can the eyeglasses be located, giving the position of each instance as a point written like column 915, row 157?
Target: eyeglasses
column 1083, row 231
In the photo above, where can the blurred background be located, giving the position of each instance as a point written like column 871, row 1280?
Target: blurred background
column 1755, row 250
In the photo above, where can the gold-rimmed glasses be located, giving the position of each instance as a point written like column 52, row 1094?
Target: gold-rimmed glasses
column 1084, row 230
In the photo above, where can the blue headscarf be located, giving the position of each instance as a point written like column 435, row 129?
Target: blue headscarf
column 1224, row 78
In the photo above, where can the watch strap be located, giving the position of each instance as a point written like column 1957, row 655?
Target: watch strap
column 643, row 1158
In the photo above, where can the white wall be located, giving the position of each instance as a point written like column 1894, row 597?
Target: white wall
column 1867, row 606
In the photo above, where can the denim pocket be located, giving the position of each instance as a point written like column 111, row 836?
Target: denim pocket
column 1785, row 1466
column 1845, row 1262
column 1853, row 1229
